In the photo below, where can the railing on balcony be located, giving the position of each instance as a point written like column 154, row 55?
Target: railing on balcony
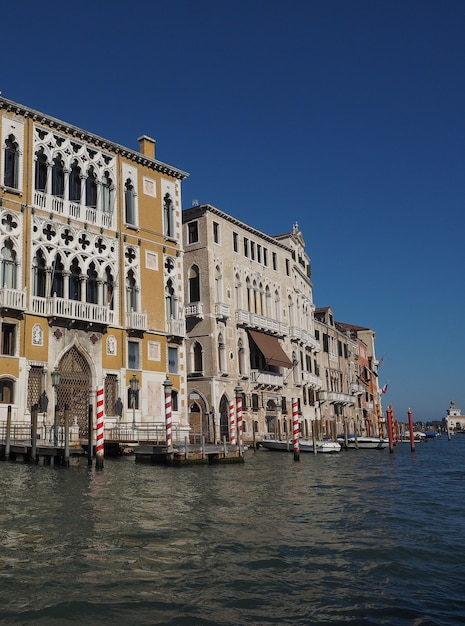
column 74, row 210
column 136, row 320
column 176, row 328
column 336, row 396
column 72, row 309
column 310, row 379
column 266, row 378
column 355, row 388
column 307, row 339
column 222, row 310
column 259, row 321
column 194, row 309
column 12, row 299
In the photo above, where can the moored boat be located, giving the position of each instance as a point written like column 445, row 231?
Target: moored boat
column 364, row 443
column 305, row 445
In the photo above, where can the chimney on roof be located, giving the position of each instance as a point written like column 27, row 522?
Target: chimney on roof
column 147, row 146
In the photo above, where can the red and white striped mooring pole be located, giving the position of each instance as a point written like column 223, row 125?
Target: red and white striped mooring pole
column 168, row 417
column 232, row 424
column 295, row 428
column 239, row 421
column 100, row 446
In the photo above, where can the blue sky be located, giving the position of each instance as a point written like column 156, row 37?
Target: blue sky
column 346, row 116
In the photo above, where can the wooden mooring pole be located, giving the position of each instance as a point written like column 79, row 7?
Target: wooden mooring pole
column 66, row 418
column 34, row 412
column 389, row 429
column 410, row 427
column 90, row 435
column 8, row 432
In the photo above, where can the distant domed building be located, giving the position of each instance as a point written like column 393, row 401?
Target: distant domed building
column 454, row 420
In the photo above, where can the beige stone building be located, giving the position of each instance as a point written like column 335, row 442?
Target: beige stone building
column 249, row 323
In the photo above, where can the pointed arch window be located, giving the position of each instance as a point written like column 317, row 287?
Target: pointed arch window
column 39, row 274
column 291, row 311
column 296, row 368
column 58, row 177
column 108, row 289
column 221, row 354
column 75, row 281
column 91, row 188
column 277, row 305
column 170, row 300
column 92, row 285
column 241, row 357
column 58, row 277
column 75, row 183
column 268, row 302
column 174, row 400
column 8, row 261
column 106, row 193
column 131, row 291
column 255, row 298
column 218, row 284
column 198, row 357
column 237, row 291
column 168, row 215
column 40, row 179
column 248, row 287
column 194, row 284
column 129, row 202
column 11, row 160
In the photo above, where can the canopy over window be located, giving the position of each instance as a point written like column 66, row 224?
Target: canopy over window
column 271, row 349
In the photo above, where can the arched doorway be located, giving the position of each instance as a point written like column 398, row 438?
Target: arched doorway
column 200, row 421
column 271, row 418
column 74, row 390
column 224, row 418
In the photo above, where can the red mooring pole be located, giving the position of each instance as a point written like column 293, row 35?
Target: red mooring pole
column 410, row 427
column 389, row 429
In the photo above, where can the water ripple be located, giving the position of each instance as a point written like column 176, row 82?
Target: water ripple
column 365, row 537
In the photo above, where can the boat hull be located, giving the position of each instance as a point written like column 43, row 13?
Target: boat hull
column 365, row 443
column 305, row 445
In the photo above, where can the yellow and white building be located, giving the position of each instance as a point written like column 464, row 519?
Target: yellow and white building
column 91, row 274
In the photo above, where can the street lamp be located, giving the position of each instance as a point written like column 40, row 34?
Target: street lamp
column 56, row 379
column 134, row 385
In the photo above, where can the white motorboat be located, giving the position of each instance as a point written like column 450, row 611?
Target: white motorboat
column 364, row 443
column 305, row 445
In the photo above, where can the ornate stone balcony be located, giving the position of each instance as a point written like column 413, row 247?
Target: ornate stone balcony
column 313, row 381
column 74, row 210
column 302, row 335
column 266, row 379
column 222, row 311
column 61, row 308
column 194, row 309
column 176, row 328
column 253, row 320
column 12, row 299
column 136, row 320
column 336, row 397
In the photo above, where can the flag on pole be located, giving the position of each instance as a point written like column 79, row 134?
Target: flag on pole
column 384, row 389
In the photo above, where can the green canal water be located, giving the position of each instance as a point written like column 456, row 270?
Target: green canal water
column 363, row 537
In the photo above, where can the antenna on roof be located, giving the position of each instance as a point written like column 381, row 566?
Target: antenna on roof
column 195, row 203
